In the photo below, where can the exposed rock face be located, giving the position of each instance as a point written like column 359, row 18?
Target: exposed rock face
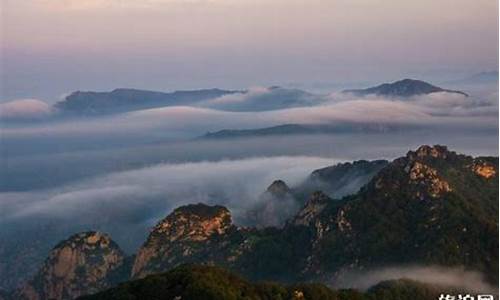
column 312, row 209
column 194, row 222
column 416, row 174
column 189, row 234
column 436, row 151
column 484, row 168
column 427, row 177
column 76, row 266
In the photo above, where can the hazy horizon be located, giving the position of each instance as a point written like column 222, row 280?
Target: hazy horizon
column 51, row 48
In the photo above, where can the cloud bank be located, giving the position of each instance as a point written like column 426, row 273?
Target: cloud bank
column 141, row 197
column 438, row 110
column 24, row 109
column 436, row 275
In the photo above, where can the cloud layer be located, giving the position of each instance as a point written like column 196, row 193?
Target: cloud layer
column 439, row 110
column 24, row 109
column 140, row 197
column 436, row 275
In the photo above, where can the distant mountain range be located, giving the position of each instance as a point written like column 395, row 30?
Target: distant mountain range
column 429, row 207
column 123, row 100
column 268, row 131
column 264, row 99
column 402, row 88
column 298, row 129
column 90, row 103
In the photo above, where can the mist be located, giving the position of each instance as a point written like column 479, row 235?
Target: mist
column 445, row 113
column 51, row 167
column 24, row 109
column 122, row 173
column 140, row 198
column 446, row 277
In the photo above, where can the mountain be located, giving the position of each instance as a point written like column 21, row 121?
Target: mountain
column 212, row 283
column 80, row 265
column 277, row 204
column 306, row 129
column 432, row 206
column 342, row 179
column 285, row 129
column 203, row 234
column 123, row 100
column 192, row 233
column 429, row 207
column 278, row 189
column 402, row 89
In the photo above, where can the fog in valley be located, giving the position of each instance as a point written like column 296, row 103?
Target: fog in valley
column 123, row 172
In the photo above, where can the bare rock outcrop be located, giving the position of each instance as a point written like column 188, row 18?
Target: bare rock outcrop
column 75, row 267
column 188, row 234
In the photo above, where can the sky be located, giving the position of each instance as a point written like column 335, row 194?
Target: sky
column 52, row 47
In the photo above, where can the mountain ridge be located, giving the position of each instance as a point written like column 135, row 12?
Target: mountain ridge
column 304, row 129
column 402, row 89
column 127, row 99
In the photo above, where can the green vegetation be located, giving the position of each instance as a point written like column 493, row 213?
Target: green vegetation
column 395, row 220
column 213, row 283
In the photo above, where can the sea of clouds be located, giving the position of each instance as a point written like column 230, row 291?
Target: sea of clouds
column 122, row 173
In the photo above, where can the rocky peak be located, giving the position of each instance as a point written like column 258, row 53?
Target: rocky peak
column 419, row 174
column 427, row 177
column 194, row 222
column 185, row 233
column 425, row 151
column 278, row 189
column 274, row 207
column 484, row 168
column 402, row 89
column 316, row 203
column 76, row 266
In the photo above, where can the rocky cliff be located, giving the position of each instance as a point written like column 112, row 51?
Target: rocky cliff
column 77, row 266
column 192, row 233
